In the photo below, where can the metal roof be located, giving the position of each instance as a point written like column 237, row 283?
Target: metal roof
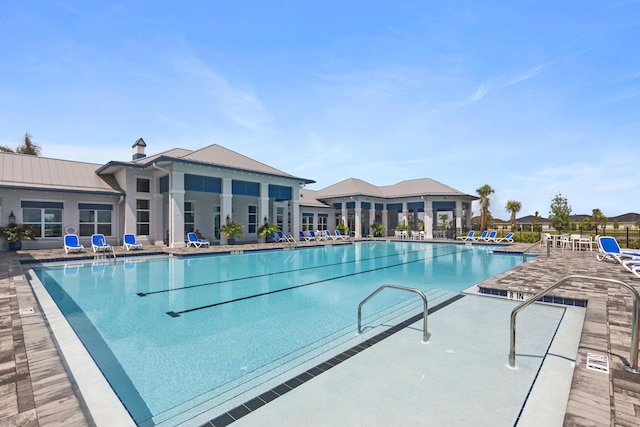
column 408, row 188
column 33, row 172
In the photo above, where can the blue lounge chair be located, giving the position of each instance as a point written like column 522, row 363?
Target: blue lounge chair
column 491, row 237
column 483, row 236
column 72, row 244
column 633, row 265
column 284, row 238
column 130, row 242
column 469, row 236
column 328, row 235
column 98, row 243
column 508, row 238
column 339, row 235
column 304, row 236
column 609, row 249
column 192, row 240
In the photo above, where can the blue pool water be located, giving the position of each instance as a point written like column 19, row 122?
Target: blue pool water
column 170, row 334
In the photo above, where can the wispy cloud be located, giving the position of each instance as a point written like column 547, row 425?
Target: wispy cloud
column 237, row 104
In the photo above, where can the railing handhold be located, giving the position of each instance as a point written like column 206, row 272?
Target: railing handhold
column 635, row 327
column 425, row 333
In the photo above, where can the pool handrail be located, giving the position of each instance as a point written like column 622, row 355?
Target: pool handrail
column 635, row 317
column 425, row 333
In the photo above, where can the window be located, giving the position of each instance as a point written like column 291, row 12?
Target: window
column 307, row 222
column 189, row 216
column 143, row 185
column 143, row 215
column 253, row 219
column 322, row 222
column 95, row 219
column 45, row 222
column 280, row 217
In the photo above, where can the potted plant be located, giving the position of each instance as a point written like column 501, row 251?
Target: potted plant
column 378, row 230
column 343, row 229
column 402, row 227
column 15, row 234
column 265, row 230
column 232, row 230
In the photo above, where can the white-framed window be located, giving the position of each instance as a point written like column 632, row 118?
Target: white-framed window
column 189, row 217
column 143, row 216
column 45, row 218
column 95, row 218
column 252, row 222
column 323, row 222
column 307, row 222
column 280, row 217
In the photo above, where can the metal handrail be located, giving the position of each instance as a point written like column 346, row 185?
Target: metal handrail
column 635, row 327
column 425, row 334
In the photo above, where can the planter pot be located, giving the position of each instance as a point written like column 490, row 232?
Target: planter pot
column 231, row 241
column 14, row 246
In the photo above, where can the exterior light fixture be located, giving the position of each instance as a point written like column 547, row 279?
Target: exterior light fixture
column 12, row 219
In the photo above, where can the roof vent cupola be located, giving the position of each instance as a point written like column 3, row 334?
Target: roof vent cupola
column 138, row 149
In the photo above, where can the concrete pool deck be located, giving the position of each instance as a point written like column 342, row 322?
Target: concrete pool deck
column 35, row 389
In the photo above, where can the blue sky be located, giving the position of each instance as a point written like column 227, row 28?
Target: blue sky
column 532, row 98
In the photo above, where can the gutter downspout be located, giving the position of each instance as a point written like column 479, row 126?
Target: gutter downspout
column 170, row 241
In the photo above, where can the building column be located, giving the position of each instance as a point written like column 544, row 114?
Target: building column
column 295, row 211
column 372, row 216
column 428, row 219
column 385, row 220
column 226, row 206
column 176, row 211
column 157, row 220
column 263, row 205
column 358, row 219
column 405, row 213
column 458, row 214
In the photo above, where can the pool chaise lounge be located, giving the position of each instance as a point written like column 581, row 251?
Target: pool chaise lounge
column 192, row 240
column 130, row 242
column 339, row 235
column 72, row 244
column 508, row 238
column 609, row 249
column 482, row 236
column 99, row 243
column 469, row 236
column 491, row 237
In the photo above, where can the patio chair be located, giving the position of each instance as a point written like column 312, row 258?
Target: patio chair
column 609, row 249
column 129, row 242
column 491, row 237
column 304, row 236
column 72, row 244
column 469, row 236
column 284, row 237
column 632, row 265
column 98, row 243
column 192, row 240
column 339, row 235
column 482, row 236
column 508, row 238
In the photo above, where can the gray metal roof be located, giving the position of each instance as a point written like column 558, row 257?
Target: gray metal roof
column 214, row 155
column 408, row 188
column 309, row 198
column 25, row 171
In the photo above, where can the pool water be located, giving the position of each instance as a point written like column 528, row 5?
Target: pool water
column 171, row 334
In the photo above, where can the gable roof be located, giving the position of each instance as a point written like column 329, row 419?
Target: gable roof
column 407, row 188
column 212, row 155
column 23, row 171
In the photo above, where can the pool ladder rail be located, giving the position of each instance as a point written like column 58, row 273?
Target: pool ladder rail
column 635, row 317
column 425, row 332
column 105, row 252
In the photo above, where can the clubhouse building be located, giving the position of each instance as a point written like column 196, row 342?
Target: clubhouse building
column 163, row 196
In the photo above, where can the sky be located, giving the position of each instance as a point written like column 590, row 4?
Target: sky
column 533, row 98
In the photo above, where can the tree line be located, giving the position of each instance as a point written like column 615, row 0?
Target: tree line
column 27, row 147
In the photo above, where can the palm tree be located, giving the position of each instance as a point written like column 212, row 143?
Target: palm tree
column 484, row 193
column 28, row 147
column 514, row 207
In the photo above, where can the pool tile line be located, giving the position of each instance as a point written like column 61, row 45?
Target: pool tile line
column 251, row 405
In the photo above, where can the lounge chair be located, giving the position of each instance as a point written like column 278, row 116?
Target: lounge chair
column 491, row 237
column 72, row 244
column 304, row 236
column 633, row 265
column 339, row 235
column 98, row 243
column 192, row 240
column 329, row 236
column 482, row 236
column 130, row 242
column 315, row 236
column 469, row 236
column 609, row 249
column 281, row 237
column 508, row 238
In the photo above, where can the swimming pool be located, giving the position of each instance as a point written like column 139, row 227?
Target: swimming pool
column 174, row 336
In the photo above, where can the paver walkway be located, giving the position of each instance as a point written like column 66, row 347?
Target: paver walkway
column 35, row 389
